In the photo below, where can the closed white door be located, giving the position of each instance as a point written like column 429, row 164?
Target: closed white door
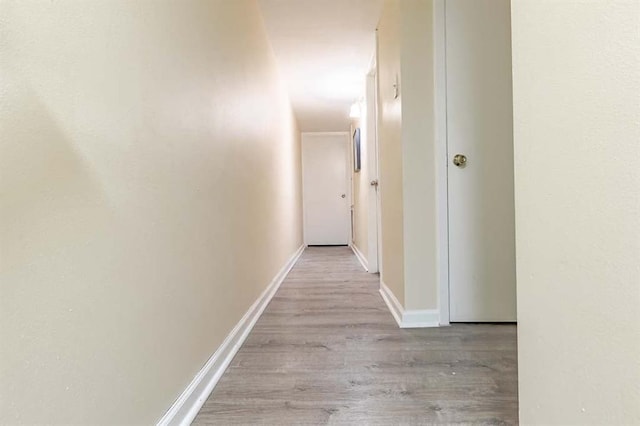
column 325, row 162
column 482, row 278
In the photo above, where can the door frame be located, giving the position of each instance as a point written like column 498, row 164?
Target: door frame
column 374, row 252
column 442, row 159
column 349, row 169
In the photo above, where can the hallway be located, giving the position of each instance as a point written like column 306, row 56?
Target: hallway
column 327, row 350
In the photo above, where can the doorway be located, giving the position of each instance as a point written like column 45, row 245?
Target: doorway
column 325, row 188
column 479, row 155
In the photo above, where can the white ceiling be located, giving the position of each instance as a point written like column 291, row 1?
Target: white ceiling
column 324, row 49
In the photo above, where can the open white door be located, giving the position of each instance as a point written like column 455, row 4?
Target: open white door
column 482, row 278
column 325, row 162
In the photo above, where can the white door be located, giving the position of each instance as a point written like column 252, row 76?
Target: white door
column 482, row 277
column 370, row 121
column 325, row 162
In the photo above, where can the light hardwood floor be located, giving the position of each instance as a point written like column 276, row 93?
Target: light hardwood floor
column 328, row 351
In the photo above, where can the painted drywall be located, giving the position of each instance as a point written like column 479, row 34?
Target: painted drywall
column 576, row 74
column 390, row 149
column 407, row 152
column 360, row 192
column 418, row 154
column 149, row 192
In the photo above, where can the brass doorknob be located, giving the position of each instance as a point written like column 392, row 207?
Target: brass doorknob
column 459, row 160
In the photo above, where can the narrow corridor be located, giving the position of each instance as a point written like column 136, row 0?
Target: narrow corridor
column 327, row 350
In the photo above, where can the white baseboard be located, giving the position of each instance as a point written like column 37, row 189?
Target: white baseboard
column 186, row 407
column 421, row 318
column 392, row 303
column 409, row 318
column 360, row 256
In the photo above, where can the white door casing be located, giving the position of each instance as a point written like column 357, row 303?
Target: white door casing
column 482, row 279
column 372, row 167
column 326, row 195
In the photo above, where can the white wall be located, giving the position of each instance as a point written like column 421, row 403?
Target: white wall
column 149, row 192
column 576, row 68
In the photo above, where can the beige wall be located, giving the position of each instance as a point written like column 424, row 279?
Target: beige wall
column 360, row 182
column 150, row 190
column 418, row 153
column 390, row 150
column 577, row 146
column 407, row 152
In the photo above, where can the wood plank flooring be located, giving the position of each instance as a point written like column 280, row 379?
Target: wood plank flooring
column 328, row 351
